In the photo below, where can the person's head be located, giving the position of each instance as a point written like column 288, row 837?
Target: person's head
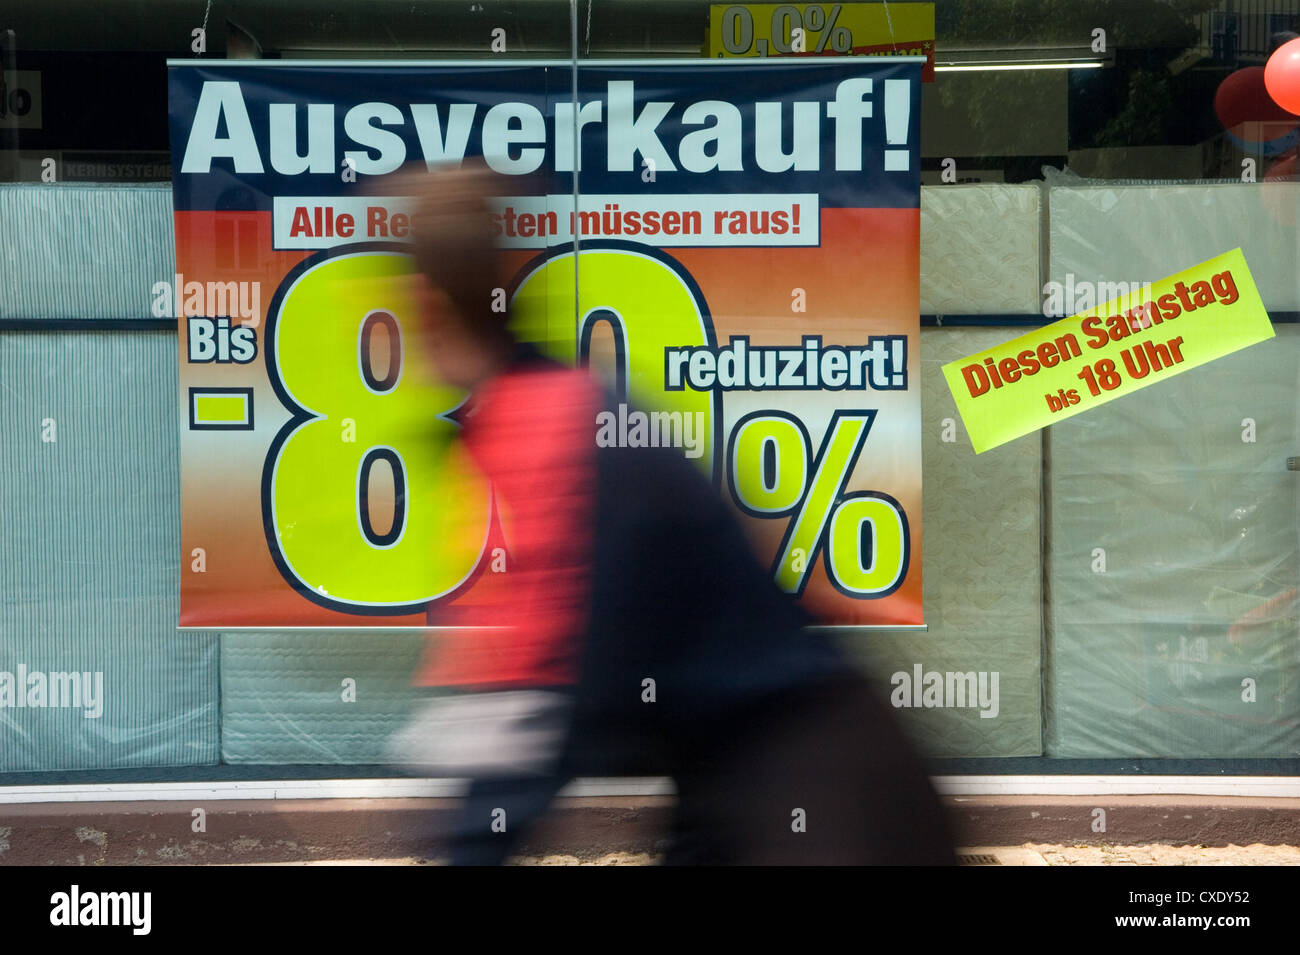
column 458, row 261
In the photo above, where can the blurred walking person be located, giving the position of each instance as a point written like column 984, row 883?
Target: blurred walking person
column 634, row 632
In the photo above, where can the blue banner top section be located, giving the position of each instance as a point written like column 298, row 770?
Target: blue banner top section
column 846, row 128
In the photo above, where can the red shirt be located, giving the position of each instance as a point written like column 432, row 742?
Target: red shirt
column 532, row 432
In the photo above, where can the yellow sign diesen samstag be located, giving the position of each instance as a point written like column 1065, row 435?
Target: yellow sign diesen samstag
column 1078, row 363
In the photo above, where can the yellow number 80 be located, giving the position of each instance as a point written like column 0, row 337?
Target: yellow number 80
column 369, row 507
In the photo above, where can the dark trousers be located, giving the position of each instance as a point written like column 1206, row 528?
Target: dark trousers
column 817, row 775
column 497, row 813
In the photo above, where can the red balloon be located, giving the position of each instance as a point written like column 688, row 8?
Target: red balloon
column 1243, row 97
column 1282, row 75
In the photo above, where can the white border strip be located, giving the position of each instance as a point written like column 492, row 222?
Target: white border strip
column 411, row 788
column 400, row 788
column 1254, row 786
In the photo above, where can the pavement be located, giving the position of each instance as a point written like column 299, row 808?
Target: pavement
column 1026, row 855
column 629, row 830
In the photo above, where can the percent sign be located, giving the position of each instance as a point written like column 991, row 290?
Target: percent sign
column 818, row 21
column 862, row 535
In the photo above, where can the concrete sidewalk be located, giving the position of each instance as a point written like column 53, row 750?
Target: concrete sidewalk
column 1026, row 855
column 626, row 829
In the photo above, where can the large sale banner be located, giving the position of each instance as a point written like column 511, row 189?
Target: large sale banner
column 735, row 245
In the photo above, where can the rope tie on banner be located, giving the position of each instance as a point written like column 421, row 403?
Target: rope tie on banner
column 204, row 28
column 890, row 22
